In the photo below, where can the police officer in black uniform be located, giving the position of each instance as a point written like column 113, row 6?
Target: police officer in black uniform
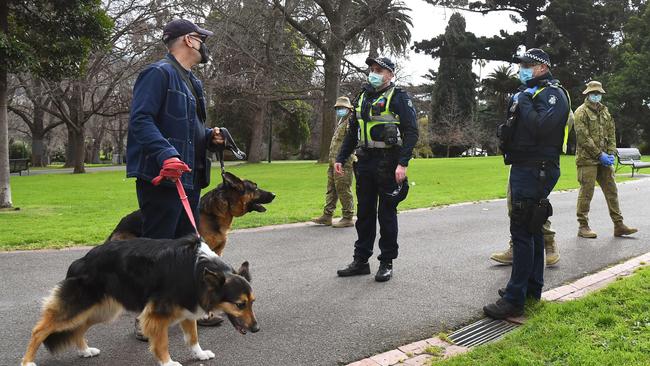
column 384, row 132
column 531, row 141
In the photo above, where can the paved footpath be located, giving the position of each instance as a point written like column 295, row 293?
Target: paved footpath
column 308, row 316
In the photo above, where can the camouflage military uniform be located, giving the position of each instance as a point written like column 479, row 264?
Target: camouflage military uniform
column 339, row 187
column 595, row 133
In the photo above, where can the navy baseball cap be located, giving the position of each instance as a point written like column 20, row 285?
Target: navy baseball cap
column 181, row 27
column 383, row 62
column 533, row 56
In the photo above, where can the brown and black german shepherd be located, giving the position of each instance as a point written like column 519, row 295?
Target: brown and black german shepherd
column 168, row 281
column 233, row 198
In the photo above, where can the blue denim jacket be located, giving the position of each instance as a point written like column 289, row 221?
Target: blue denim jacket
column 163, row 124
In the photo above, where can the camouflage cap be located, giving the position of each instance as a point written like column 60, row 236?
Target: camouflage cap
column 594, row 86
column 343, row 102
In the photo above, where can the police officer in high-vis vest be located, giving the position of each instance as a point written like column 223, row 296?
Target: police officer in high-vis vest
column 384, row 132
column 531, row 140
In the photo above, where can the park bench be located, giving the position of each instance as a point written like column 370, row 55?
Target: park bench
column 630, row 157
column 18, row 166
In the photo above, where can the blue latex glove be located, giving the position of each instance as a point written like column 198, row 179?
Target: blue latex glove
column 612, row 159
column 532, row 90
column 605, row 159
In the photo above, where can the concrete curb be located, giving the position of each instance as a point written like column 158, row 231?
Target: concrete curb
column 422, row 352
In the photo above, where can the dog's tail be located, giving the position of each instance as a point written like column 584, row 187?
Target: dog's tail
column 66, row 311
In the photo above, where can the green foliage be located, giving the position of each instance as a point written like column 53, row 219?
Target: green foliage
column 294, row 128
column 422, row 148
column 53, row 38
column 453, row 99
column 19, row 150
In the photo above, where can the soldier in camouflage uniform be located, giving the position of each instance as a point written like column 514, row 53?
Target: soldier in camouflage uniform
column 339, row 187
column 595, row 150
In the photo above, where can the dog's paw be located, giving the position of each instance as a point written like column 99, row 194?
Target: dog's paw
column 201, row 354
column 204, row 355
column 28, row 364
column 170, row 363
column 88, row 352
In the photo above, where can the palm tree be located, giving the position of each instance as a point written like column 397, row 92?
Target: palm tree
column 392, row 29
column 498, row 86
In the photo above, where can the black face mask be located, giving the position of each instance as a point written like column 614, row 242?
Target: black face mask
column 203, row 50
column 205, row 54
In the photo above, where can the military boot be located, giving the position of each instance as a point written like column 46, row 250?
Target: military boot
column 504, row 257
column 552, row 254
column 344, row 222
column 586, row 232
column 323, row 220
column 621, row 229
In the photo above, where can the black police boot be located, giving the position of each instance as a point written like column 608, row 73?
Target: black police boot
column 503, row 309
column 385, row 272
column 355, row 268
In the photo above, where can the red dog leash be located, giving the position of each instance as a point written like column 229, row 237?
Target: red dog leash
column 174, row 168
column 186, row 204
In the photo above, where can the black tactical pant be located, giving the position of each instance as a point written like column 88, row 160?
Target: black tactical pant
column 375, row 176
column 163, row 215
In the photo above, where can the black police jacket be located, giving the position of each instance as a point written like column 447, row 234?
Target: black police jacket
column 401, row 105
column 541, row 120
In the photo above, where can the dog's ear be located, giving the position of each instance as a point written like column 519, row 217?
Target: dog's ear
column 234, row 182
column 244, row 271
column 214, row 279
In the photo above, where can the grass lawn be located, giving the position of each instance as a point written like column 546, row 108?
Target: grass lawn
column 609, row 327
column 60, row 210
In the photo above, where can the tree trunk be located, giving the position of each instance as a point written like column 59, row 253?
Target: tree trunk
column 38, row 137
column 5, row 188
column 257, row 133
column 332, row 68
column 76, row 129
column 531, row 26
column 78, row 146
column 69, row 149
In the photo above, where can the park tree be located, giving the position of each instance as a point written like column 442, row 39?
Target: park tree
column 627, row 86
column 258, row 75
column 38, row 122
column 330, row 26
column 453, row 99
column 92, row 92
column 49, row 38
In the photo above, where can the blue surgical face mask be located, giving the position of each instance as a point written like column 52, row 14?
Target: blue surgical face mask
column 595, row 98
column 525, row 74
column 341, row 112
column 376, row 80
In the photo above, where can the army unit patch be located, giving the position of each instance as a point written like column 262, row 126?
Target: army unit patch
column 552, row 100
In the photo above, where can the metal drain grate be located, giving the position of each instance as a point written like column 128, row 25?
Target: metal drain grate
column 481, row 332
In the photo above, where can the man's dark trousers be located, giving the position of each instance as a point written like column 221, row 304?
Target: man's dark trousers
column 375, row 175
column 162, row 211
column 527, row 277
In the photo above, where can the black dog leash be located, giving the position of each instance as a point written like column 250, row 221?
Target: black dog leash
column 229, row 143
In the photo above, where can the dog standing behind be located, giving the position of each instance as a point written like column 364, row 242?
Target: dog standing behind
column 217, row 208
column 168, row 281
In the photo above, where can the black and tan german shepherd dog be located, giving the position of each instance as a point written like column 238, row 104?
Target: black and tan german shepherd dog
column 232, row 198
column 168, row 281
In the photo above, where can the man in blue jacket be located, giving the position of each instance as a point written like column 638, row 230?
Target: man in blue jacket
column 168, row 139
column 167, row 133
